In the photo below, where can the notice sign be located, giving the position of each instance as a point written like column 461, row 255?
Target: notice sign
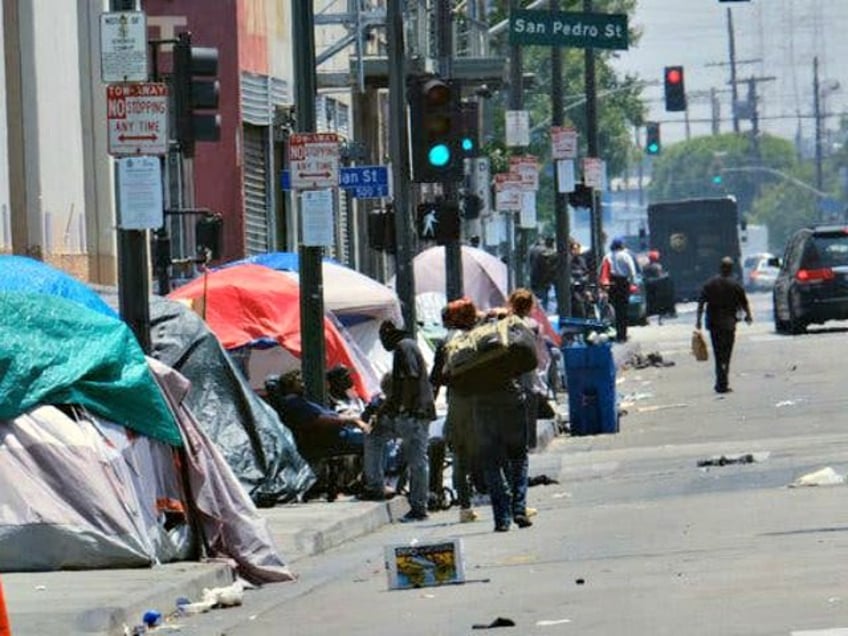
column 137, row 118
column 314, row 160
column 316, row 213
column 123, row 46
column 140, row 193
column 563, row 143
column 425, row 564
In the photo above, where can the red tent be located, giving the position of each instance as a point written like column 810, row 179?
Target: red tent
column 252, row 305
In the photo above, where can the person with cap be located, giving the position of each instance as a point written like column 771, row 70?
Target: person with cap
column 622, row 273
column 723, row 297
column 411, row 404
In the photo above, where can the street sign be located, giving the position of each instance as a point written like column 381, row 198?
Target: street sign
column 362, row 182
column 365, row 182
column 137, row 119
column 314, row 160
column 563, row 143
column 517, row 128
column 527, row 168
column 593, row 172
column 140, row 193
column 562, row 28
column 317, row 217
column 508, row 191
column 123, row 46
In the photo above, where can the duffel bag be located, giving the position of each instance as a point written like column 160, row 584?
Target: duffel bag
column 487, row 356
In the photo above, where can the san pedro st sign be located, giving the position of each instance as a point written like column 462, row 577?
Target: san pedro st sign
column 568, row 29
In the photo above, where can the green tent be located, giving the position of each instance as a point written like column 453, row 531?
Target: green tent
column 57, row 351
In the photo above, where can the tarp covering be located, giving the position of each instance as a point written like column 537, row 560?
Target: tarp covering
column 252, row 305
column 23, row 274
column 41, row 341
column 256, row 445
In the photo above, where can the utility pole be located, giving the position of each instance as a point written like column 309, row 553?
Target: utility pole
column 516, row 102
column 450, row 192
column 399, row 146
column 562, row 227
column 734, row 93
column 311, row 277
column 592, row 143
column 818, row 120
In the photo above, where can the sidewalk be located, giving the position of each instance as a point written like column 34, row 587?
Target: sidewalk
column 105, row 601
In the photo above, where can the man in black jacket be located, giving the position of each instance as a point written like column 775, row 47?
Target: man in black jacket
column 723, row 297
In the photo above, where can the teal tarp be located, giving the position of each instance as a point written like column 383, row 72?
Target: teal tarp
column 56, row 351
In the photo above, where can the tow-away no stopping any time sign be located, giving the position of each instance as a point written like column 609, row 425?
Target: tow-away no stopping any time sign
column 137, row 117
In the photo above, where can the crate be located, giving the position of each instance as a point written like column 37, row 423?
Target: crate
column 590, row 379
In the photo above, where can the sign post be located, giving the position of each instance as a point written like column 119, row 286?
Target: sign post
column 137, row 119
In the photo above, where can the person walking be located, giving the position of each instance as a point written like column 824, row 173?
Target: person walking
column 411, row 404
column 458, row 316
column 723, row 297
column 622, row 273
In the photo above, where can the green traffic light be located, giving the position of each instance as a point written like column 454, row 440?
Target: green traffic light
column 717, row 179
column 467, row 144
column 439, row 156
column 653, row 148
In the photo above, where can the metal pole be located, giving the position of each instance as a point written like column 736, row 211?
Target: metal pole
column 592, row 142
column 453, row 249
column 516, row 102
column 818, row 120
column 133, row 266
column 399, row 145
column 563, row 279
column 311, row 278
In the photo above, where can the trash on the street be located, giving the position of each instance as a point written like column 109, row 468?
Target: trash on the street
column 152, row 618
column 823, row 477
column 741, row 458
column 783, row 403
column 498, row 622
column 228, row 596
column 425, row 564
column 548, row 623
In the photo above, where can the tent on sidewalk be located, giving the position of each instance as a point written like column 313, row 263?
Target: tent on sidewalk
column 256, row 309
column 359, row 302
column 101, row 463
column 257, row 446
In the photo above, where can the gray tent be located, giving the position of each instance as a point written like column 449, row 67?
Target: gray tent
column 258, row 447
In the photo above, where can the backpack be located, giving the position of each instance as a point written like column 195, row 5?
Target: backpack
column 489, row 355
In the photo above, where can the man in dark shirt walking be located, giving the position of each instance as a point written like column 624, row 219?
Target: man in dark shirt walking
column 723, row 297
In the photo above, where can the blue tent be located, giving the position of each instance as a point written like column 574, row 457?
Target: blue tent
column 23, row 274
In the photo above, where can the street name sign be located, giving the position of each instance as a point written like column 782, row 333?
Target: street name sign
column 563, row 28
column 365, row 182
column 123, row 46
column 314, row 160
column 137, row 119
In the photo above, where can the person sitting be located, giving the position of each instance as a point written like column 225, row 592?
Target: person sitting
column 320, row 433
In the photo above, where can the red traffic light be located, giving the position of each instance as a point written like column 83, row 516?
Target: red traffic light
column 674, row 75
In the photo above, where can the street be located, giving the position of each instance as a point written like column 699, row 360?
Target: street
column 635, row 538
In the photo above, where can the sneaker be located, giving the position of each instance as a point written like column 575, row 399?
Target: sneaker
column 502, row 527
column 414, row 516
column 376, row 495
column 522, row 521
column 530, row 512
column 467, row 515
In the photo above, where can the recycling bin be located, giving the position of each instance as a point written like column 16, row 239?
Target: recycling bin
column 590, row 379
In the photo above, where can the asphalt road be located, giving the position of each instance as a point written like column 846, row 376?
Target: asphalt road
column 635, row 538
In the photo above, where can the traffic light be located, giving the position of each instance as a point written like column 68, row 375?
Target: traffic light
column 381, row 230
column 581, row 197
column 675, row 90
column 196, row 91
column 653, row 146
column 439, row 222
column 471, row 206
column 436, row 130
column 469, row 142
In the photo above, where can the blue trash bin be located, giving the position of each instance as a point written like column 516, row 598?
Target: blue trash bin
column 590, row 376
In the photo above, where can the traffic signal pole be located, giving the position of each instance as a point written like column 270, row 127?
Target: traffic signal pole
column 518, row 255
column 592, row 146
column 399, row 149
column 311, row 277
column 450, row 190
column 561, row 219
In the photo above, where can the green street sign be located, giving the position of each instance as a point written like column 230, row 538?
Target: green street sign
column 561, row 28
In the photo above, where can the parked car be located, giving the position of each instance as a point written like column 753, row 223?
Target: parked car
column 812, row 285
column 762, row 277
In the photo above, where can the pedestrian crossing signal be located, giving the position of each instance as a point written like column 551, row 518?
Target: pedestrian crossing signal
column 438, row 222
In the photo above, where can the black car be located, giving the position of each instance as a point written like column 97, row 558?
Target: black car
column 812, row 285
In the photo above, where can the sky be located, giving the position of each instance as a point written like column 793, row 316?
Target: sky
column 776, row 39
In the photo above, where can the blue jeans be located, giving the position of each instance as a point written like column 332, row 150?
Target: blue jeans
column 501, row 421
column 374, row 453
column 415, row 434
